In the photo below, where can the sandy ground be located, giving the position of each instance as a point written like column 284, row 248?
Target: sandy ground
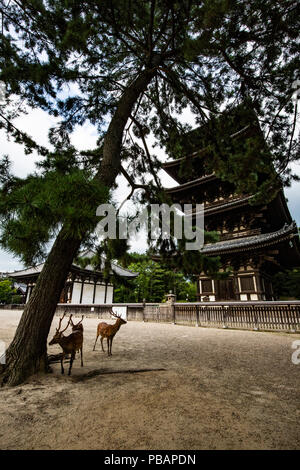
column 219, row 389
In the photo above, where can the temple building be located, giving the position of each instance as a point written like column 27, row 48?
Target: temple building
column 255, row 240
column 83, row 285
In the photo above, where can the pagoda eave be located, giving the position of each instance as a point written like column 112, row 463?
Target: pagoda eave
column 191, row 184
column 288, row 233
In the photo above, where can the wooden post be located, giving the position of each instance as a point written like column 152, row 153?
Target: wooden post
column 255, row 318
column 197, row 316
column 94, row 291
column 71, row 290
column 292, row 323
column 81, row 291
column 174, row 312
column 144, row 306
column 27, row 289
column 198, row 289
column 224, row 309
column 105, row 293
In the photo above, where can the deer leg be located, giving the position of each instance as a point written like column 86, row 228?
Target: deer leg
column 81, row 357
column 95, row 342
column 111, row 340
column 101, row 339
column 108, row 346
column 71, row 362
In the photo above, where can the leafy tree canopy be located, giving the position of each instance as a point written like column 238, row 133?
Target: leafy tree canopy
column 286, row 284
column 140, row 64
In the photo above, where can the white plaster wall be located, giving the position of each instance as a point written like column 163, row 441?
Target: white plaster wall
column 87, row 294
column 100, row 294
column 76, row 293
column 243, row 296
column 109, row 295
column 253, row 297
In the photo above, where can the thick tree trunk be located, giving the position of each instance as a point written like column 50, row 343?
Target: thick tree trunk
column 27, row 354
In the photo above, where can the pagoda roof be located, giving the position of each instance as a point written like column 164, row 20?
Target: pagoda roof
column 285, row 240
column 222, row 207
column 173, row 167
column 277, row 209
column 191, row 184
column 287, row 232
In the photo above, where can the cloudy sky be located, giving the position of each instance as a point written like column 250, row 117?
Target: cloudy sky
column 37, row 123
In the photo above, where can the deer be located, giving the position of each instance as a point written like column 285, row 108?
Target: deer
column 78, row 326
column 69, row 344
column 105, row 330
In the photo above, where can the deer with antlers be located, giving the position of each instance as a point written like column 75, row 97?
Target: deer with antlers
column 105, row 330
column 69, row 344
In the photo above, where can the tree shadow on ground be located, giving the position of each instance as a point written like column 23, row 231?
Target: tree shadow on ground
column 96, row 372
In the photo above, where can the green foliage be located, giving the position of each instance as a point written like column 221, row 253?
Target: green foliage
column 154, row 281
column 32, row 209
column 6, row 291
column 16, row 299
column 286, row 284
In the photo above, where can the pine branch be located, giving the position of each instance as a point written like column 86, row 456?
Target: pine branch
column 152, row 171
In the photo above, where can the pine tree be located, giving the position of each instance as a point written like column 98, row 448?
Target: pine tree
column 136, row 66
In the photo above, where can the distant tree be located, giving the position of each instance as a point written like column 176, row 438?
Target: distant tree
column 286, row 284
column 16, row 299
column 154, row 281
column 6, row 291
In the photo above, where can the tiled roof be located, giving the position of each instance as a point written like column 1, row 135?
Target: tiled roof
column 119, row 270
column 248, row 243
column 236, row 202
column 27, row 271
column 189, row 184
column 116, row 269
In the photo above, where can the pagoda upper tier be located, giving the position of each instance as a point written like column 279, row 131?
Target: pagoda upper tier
column 198, row 155
column 198, row 184
column 252, row 232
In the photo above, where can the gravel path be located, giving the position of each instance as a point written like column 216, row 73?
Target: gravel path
column 165, row 387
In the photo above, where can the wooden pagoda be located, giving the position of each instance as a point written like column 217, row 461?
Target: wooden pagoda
column 255, row 241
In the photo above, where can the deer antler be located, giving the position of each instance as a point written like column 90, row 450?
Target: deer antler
column 67, row 324
column 60, row 320
column 79, row 323
column 114, row 314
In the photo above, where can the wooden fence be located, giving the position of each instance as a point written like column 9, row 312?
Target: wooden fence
column 272, row 316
